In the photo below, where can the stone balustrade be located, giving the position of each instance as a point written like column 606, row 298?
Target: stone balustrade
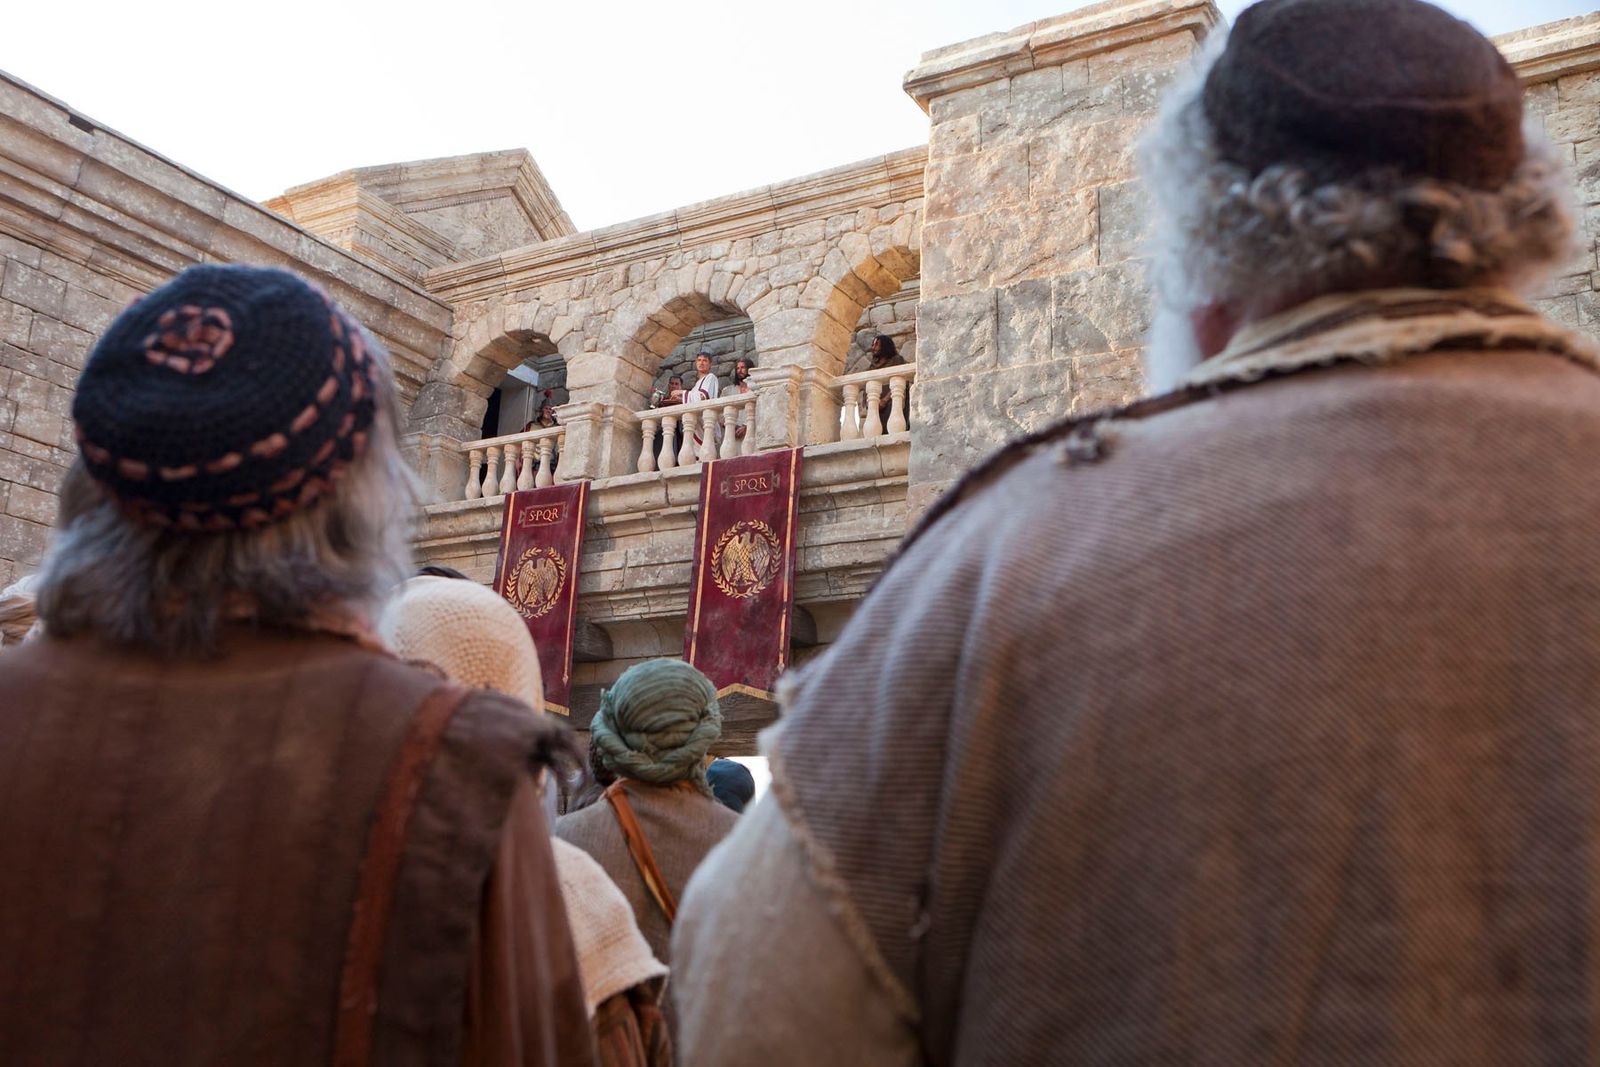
column 672, row 437
column 667, row 435
column 860, row 396
column 500, row 465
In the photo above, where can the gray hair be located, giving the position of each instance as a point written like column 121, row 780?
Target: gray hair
column 19, row 617
column 1221, row 235
column 134, row 584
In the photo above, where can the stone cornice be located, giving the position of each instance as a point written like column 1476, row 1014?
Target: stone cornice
column 339, row 205
column 539, row 201
column 1051, row 42
column 1555, row 49
column 873, row 182
column 422, row 184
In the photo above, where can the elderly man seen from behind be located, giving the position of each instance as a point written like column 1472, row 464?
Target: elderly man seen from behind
column 236, row 828
column 1253, row 723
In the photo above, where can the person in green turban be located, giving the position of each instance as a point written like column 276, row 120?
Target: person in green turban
column 657, row 724
column 648, row 746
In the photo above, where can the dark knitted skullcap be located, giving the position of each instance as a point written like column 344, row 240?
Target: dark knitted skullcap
column 1344, row 87
column 229, row 398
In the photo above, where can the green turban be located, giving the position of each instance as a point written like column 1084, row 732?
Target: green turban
column 657, row 723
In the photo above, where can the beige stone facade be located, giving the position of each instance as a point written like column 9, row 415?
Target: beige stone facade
column 1003, row 257
column 88, row 221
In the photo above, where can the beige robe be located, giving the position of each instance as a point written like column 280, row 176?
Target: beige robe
column 1251, row 725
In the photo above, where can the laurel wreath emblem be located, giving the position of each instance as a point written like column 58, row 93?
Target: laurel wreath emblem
column 536, row 582
column 746, row 559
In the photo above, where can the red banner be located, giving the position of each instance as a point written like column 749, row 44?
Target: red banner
column 541, row 534
column 742, row 591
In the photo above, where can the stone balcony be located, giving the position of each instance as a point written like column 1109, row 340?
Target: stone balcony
column 639, row 543
column 638, row 550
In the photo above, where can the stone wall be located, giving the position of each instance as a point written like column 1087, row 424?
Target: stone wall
column 1033, row 301
column 1561, row 63
column 1018, row 225
column 88, row 221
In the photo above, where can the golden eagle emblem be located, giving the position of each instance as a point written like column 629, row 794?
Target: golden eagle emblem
column 535, row 583
column 746, row 559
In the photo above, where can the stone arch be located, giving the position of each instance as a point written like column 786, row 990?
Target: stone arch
column 491, row 337
column 486, row 343
column 859, row 271
column 649, row 335
column 894, row 316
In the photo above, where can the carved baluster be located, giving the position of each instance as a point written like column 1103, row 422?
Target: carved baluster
column 897, row 405
column 508, row 472
column 647, row 438
column 525, row 466
column 730, row 439
column 669, row 447
column 547, row 462
column 708, row 435
column 474, row 474
column 849, row 428
column 491, row 474
column 688, row 452
column 749, row 442
column 873, row 422
column 561, row 450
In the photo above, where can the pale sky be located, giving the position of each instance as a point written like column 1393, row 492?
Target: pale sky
column 629, row 107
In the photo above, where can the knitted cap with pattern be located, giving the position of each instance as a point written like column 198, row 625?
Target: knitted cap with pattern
column 1345, row 87
column 229, row 398
column 469, row 632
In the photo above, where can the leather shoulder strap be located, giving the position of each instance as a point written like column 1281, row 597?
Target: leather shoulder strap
column 380, row 863
column 639, row 849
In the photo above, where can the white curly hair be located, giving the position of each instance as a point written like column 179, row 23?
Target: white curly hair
column 1221, row 235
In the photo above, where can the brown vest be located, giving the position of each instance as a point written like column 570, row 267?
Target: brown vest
column 181, row 842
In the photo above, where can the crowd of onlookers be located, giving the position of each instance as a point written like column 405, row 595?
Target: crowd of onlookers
column 1251, row 722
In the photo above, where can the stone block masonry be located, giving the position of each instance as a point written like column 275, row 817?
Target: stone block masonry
column 88, row 221
column 801, row 262
column 1033, row 303
column 1561, row 62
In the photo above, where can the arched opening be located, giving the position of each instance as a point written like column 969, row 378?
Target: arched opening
column 894, row 316
column 878, row 285
column 537, row 377
column 667, row 339
column 726, row 339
